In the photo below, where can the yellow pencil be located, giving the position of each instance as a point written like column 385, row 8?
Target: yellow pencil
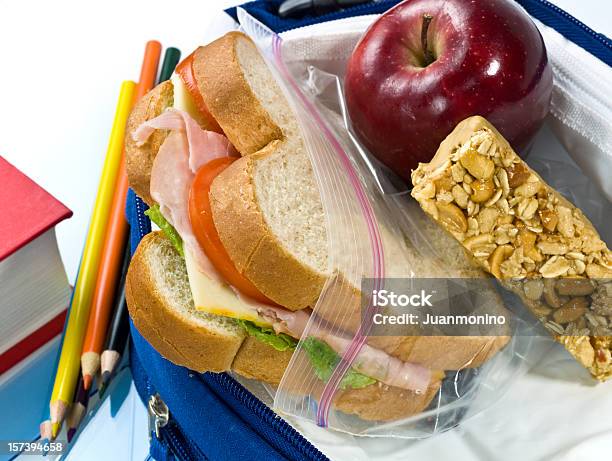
column 70, row 358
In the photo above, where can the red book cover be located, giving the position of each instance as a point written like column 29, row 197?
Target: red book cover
column 32, row 342
column 26, row 209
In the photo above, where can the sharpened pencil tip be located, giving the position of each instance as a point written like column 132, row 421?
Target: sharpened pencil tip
column 106, row 377
column 45, row 430
column 55, row 430
column 70, row 434
column 87, row 382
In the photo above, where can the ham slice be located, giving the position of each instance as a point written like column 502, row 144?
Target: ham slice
column 184, row 151
column 204, row 146
column 379, row 365
column 371, row 362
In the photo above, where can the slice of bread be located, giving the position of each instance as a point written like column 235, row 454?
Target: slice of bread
column 161, row 306
column 379, row 402
column 159, row 301
column 239, row 92
column 259, row 361
column 282, row 244
column 139, row 159
column 268, row 214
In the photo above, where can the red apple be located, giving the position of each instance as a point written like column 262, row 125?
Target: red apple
column 425, row 65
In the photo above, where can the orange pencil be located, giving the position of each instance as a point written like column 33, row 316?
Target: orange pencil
column 114, row 243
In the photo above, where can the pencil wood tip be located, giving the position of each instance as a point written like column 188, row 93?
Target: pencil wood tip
column 45, row 430
column 87, row 379
column 90, row 363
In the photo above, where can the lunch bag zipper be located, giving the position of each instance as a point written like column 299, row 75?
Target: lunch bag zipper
column 144, row 224
column 166, row 431
column 168, row 434
column 357, row 10
column 178, row 444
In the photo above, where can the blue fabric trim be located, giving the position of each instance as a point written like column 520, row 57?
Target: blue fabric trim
column 159, row 451
column 597, row 44
column 265, row 12
column 571, row 28
column 134, row 211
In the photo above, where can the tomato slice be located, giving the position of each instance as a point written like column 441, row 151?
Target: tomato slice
column 200, row 215
column 185, row 72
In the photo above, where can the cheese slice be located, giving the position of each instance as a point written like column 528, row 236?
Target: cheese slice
column 208, row 294
column 183, row 100
column 218, row 298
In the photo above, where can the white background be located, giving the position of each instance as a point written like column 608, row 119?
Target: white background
column 61, row 67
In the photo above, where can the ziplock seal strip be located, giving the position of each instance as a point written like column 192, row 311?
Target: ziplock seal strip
column 373, row 232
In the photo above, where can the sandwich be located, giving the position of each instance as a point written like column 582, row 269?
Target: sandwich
column 232, row 278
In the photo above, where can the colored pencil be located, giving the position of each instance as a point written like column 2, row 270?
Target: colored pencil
column 115, row 241
column 46, row 433
column 118, row 332
column 171, row 59
column 69, row 362
column 78, row 409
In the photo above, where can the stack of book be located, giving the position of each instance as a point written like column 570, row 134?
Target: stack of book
column 34, row 289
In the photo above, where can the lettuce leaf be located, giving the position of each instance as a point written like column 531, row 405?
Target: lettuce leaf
column 322, row 357
column 280, row 342
column 155, row 215
column 324, row 360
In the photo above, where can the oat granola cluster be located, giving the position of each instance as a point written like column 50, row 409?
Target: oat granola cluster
column 527, row 235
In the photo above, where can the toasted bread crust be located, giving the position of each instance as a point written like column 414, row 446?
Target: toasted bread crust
column 256, row 360
column 178, row 338
column 229, row 97
column 254, row 249
column 379, row 402
column 139, row 160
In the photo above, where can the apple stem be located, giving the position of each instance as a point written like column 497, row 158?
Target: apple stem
column 428, row 56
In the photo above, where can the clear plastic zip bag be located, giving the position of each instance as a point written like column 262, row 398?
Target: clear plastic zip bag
column 382, row 383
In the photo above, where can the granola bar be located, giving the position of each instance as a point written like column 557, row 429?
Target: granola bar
column 537, row 243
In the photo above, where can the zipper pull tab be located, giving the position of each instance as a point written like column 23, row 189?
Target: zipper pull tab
column 158, row 414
